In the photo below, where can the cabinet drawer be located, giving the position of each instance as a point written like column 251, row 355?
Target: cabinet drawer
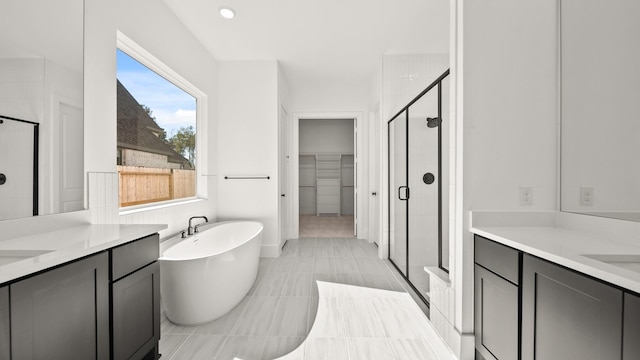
column 498, row 258
column 328, row 208
column 327, row 165
column 328, row 190
column 134, row 255
column 328, row 182
column 329, row 200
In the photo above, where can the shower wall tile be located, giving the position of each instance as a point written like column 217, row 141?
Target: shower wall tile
column 442, row 306
column 405, row 75
column 101, row 189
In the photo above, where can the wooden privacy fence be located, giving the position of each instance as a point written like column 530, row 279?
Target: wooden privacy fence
column 142, row 185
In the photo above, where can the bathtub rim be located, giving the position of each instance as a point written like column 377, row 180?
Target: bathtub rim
column 176, row 239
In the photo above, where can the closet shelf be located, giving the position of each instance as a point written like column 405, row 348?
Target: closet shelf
column 327, row 179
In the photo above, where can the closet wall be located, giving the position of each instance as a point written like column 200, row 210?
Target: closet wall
column 324, row 137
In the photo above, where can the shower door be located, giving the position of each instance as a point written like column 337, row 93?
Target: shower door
column 399, row 192
column 424, row 181
column 18, row 169
column 418, row 168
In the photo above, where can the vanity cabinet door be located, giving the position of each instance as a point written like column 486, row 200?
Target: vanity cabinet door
column 4, row 324
column 136, row 314
column 497, row 302
column 63, row 313
column 631, row 330
column 567, row 315
column 496, row 316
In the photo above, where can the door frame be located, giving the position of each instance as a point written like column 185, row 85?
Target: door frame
column 284, row 170
column 361, row 202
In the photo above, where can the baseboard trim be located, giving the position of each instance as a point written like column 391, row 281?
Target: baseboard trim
column 270, row 251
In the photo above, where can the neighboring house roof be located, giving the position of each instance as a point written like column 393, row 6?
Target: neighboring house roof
column 136, row 129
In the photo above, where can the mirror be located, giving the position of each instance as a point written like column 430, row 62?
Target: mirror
column 41, row 107
column 600, row 97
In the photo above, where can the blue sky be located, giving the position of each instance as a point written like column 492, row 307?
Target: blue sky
column 172, row 107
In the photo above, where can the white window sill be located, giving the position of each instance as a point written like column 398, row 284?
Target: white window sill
column 156, row 206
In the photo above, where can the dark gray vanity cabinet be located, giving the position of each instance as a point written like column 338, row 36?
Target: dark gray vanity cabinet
column 136, row 299
column 62, row 313
column 631, row 327
column 5, row 338
column 567, row 315
column 497, row 304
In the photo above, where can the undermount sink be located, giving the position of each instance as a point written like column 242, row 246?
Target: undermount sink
column 10, row 256
column 625, row 261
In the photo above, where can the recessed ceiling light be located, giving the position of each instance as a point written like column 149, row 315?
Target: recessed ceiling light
column 227, row 12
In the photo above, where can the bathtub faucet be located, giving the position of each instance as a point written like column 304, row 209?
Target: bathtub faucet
column 192, row 230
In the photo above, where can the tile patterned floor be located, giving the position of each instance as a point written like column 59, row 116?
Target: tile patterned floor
column 365, row 323
column 279, row 311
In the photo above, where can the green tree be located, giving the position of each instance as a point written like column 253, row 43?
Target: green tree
column 184, row 142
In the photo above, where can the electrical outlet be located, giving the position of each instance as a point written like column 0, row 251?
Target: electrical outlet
column 526, row 195
column 586, row 195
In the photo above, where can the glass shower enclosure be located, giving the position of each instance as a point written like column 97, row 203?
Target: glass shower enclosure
column 418, row 180
column 18, row 168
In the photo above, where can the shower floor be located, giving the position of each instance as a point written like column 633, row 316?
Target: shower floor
column 420, row 279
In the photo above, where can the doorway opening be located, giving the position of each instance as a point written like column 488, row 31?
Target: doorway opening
column 327, row 178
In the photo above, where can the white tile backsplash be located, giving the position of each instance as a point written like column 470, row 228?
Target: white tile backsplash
column 103, row 197
column 93, row 193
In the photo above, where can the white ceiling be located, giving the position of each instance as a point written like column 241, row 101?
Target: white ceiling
column 318, row 41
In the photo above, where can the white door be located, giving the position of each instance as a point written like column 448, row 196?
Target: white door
column 16, row 169
column 355, row 177
column 284, row 174
column 70, row 158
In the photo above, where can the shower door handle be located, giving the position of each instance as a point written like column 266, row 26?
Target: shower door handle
column 406, row 193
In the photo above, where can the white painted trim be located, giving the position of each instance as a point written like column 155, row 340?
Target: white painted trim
column 559, row 107
column 157, row 205
column 270, row 251
column 362, row 201
column 140, row 54
column 284, row 210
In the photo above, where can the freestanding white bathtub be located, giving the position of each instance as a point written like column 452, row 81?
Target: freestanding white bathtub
column 207, row 274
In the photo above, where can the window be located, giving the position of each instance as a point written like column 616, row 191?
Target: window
column 156, row 151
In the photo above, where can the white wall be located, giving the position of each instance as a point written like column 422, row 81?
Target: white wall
column 406, row 75
column 150, row 24
column 248, row 145
column 326, row 136
column 507, row 119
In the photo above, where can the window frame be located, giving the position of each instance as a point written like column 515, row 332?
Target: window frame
column 138, row 53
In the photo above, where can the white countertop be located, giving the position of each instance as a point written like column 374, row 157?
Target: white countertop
column 67, row 245
column 552, row 241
